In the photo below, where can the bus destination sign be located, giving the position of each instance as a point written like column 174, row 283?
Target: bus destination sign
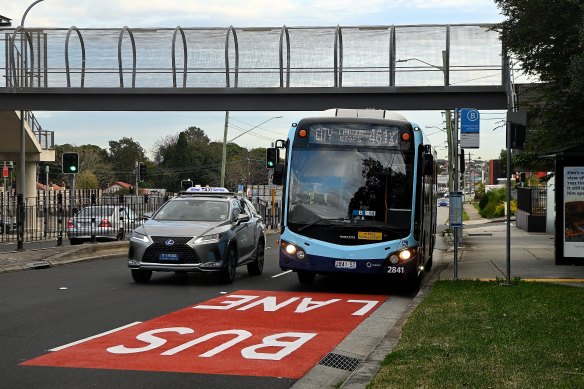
column 330, row 134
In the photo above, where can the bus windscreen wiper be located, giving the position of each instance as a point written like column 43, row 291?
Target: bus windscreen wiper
column 318, row 221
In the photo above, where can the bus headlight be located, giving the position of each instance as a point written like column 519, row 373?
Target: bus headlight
column 293, row 250
column 393, row 259
column 401, row 256
column 404, row 255
column 290, row 249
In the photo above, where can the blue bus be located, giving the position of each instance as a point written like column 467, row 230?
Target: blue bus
column 358, row 196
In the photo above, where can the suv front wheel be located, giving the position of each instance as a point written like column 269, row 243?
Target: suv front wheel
column 227, row 274
column 257, row 266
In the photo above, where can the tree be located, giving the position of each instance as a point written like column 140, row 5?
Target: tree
column 123, row 155
column 86, row 180
column 547, row 37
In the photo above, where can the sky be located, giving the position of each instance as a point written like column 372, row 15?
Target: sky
column 147, row 128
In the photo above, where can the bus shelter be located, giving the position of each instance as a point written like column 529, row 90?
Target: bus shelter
column 569, row 176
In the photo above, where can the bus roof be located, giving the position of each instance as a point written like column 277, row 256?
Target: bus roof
column 365, row 113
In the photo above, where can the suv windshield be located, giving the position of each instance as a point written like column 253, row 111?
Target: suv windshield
column 194, row 210
column 341, row 186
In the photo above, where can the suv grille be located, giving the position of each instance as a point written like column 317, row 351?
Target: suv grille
column 186, row 254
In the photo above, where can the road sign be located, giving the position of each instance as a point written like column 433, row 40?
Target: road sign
column 5, row 171
column 246, row 332
column 469, row 128
column 455, row 209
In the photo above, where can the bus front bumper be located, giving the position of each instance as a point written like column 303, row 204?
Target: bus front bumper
column 324, row 265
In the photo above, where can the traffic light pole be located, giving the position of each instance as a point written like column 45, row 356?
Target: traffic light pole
column 72, row 197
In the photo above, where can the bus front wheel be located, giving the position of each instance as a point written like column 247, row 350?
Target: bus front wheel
column 306, row 277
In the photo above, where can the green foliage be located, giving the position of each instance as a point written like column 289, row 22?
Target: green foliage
column 86, row 180
column 547, row 37
column 492, row 204
column 188, row 154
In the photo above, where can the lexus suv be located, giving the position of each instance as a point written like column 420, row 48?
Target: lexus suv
column 202, row 230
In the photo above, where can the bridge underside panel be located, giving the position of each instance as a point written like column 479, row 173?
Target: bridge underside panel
column 251, row 99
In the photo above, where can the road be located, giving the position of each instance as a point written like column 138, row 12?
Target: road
column 44, row 309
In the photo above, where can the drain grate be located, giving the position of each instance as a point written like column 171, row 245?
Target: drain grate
column 339, row 361
column 485, row 234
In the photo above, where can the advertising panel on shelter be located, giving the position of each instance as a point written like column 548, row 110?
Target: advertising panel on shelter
column 574, row 211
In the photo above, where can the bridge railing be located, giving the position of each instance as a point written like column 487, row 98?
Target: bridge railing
column 266, row 57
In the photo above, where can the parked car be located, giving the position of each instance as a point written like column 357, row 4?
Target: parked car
column 202, row 230
column 6, row 225
column 102, row 223
column 443, row 203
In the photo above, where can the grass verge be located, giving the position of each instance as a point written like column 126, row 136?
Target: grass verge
column 484, row 335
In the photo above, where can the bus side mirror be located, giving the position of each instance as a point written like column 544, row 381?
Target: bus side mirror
column 278, row 177
column 428, row 165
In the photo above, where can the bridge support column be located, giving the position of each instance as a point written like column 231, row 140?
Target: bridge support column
column 30, row 190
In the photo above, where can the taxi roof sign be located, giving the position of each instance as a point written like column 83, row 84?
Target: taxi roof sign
column 206, row 189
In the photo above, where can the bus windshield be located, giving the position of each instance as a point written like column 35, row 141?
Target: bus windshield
column 336, row 186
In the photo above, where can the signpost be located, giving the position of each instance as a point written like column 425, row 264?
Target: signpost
column 469, row 128
column 455, row 211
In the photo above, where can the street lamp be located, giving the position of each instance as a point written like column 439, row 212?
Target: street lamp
column 224, row 156
column 22, row 148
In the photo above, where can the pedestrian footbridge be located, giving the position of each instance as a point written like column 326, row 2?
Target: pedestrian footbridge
column 425, row 67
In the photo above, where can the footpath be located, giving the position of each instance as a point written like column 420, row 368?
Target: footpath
column 55, row 256
column 482, row 254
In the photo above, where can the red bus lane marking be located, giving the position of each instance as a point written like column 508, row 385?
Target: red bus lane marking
column 247, row 332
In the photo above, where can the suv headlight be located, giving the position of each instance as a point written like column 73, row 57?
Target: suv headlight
column 210, row 238
column 141, row 238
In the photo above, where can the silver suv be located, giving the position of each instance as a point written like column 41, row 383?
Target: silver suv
column 202, row 230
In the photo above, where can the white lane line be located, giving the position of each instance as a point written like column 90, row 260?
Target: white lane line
column 281, row 274
column 95, row 336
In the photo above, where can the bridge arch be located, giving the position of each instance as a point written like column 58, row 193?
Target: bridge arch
column 67, row 68
column 185, row 56
column 120, row 61
column 231, row 31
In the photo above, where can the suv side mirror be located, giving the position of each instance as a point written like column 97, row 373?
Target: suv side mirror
column 242, row 218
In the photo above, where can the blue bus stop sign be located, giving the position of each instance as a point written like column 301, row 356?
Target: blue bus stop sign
column 469, row 120
column 469, row 128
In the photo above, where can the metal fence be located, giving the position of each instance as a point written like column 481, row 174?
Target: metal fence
column 532, row 200
column 46, row 215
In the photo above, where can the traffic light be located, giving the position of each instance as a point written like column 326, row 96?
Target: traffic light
column 186, row 184
column 70, row 163
column 461, row 164
column 272, row 157
column 142, row 169
column 518, row 124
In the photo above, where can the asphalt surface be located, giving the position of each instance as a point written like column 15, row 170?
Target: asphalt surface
column 481, row 255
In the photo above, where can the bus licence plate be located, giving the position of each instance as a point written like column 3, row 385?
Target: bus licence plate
column 345, row 264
